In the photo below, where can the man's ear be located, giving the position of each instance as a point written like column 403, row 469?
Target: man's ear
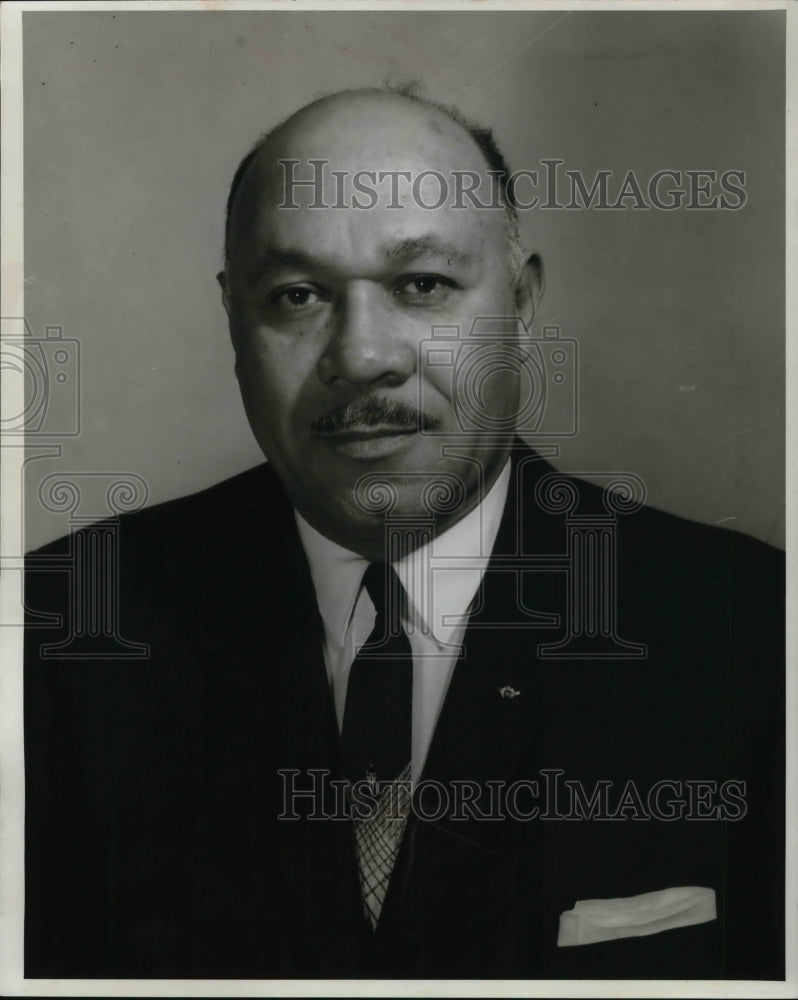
column 529, row 288
column 221, row 277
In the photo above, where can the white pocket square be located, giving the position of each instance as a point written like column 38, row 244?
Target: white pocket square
column 593, row 920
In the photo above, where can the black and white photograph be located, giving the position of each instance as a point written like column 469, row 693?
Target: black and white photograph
column 395, row 499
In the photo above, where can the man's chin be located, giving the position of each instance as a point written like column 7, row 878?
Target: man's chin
column 349, row 484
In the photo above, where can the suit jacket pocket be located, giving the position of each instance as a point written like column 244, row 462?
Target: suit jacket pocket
column 594, row 920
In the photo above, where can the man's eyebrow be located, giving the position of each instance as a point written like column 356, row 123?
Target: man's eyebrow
column 285, row 258
column 414, row 247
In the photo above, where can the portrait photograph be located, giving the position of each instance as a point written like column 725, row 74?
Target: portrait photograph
column 396, row 499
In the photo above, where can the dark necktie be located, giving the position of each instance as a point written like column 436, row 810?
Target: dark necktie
column 376, row 735
column 376, row 729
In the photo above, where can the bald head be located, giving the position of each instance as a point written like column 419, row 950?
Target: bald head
column 371, row 121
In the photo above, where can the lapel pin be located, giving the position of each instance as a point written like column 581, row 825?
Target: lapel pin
column 508, row 692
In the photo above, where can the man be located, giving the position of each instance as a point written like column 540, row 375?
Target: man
column 379, row 732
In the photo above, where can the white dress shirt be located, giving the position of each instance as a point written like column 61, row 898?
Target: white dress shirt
column 441, row 580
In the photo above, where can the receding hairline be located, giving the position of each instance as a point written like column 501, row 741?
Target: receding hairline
column 398, row 97
column 482, row 139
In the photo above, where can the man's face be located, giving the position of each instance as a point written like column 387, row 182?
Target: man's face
column 330, row 310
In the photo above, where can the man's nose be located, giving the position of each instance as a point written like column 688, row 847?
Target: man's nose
column 367, row 344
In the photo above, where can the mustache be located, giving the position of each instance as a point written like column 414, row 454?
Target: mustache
column 374, row 411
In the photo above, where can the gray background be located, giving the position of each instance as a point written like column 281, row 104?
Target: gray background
column 134, row 123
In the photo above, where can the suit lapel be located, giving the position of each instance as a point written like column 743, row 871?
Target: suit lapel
column 318, row 854
column 493, row 704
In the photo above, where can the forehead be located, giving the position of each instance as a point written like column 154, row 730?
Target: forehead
column 380, row 173
column 373, row 131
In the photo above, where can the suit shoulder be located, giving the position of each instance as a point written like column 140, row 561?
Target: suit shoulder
column 645, row 534
column 704, row 549
column 254, row 497
column 178, row 563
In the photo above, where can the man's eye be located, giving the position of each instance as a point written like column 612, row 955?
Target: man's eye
column 426, row 288
column 296, row 298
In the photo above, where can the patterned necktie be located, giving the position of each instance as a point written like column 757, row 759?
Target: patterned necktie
column 376, row 735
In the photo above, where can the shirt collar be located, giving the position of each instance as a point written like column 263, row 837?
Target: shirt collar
column 453, row 562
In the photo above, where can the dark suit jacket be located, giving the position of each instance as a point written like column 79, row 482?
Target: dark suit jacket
column 153, row 844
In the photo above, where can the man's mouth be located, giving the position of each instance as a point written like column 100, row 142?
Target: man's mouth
column 372, row 427
column 366, row 443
